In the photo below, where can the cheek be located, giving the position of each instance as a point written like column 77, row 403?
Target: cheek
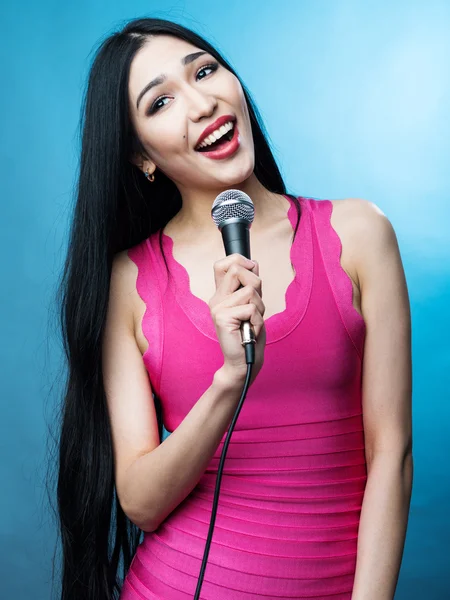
column 242, row 100
column 234, row 88
column 164, row 138
column 238, row 97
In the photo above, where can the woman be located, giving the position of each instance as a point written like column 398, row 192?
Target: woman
column 316, row 485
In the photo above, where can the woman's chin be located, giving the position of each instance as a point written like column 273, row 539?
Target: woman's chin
column 217, row 174
column 234, row 171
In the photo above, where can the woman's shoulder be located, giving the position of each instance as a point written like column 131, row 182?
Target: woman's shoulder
column 356, row 221
column 126, row 274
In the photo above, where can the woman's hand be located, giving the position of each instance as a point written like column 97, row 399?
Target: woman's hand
column 231, row 304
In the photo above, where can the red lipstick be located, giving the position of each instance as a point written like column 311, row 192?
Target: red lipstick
column 217, row 123
column 225, row 150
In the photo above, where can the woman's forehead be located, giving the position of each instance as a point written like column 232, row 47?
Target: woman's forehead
column 161, row 52
column 159, row 55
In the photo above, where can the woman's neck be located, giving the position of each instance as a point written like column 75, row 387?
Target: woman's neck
column 195, row 213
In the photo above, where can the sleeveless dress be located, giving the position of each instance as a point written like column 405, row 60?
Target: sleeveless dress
column 295, row 471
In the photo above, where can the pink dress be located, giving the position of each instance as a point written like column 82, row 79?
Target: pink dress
column 295, row 472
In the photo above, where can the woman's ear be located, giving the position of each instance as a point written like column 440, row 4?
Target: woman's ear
column 143, row 163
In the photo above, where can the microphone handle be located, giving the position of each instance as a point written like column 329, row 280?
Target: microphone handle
column 236, row 239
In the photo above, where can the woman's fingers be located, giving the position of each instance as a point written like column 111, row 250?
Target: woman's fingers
column 233, row 271
column 245, row 295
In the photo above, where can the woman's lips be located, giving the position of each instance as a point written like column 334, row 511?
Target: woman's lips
column 227, row 149
column 223, row 120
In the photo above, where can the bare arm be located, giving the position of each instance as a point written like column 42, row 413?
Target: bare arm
column 387, row 404
column 152, row 478
column 158, row 481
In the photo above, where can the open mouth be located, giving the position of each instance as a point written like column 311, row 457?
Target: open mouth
column 218, row 143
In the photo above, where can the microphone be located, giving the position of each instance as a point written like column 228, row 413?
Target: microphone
column 233, row 213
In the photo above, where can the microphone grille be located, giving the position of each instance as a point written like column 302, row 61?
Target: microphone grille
column 232, row 204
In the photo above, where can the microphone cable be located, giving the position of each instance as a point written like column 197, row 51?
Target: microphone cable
column 249, row 346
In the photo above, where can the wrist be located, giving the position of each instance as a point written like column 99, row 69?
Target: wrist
column 229, row 379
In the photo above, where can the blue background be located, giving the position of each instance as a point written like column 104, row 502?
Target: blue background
column 355, row 97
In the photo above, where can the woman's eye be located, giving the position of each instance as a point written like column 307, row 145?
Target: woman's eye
column 212, row 66
column 154, row 107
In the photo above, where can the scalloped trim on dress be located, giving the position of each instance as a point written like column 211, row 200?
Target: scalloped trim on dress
column 278, row 325
column 344, row 302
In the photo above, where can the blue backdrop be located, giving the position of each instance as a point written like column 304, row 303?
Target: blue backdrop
column 355, row 97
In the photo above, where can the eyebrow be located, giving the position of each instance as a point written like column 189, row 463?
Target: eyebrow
column 161, row 78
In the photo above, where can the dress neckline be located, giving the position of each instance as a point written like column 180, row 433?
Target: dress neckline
column 297, row 293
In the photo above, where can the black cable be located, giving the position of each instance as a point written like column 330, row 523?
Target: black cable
column 250, row 359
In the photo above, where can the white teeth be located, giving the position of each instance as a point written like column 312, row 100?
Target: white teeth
column 218, row 133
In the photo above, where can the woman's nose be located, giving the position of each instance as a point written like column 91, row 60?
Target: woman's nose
column 201, row 104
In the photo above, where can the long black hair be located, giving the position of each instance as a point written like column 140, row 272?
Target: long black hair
column 115, row 208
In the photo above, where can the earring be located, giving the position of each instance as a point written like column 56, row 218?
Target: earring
column 150, row 177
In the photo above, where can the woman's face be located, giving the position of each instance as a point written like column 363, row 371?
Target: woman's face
column 171, row 116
